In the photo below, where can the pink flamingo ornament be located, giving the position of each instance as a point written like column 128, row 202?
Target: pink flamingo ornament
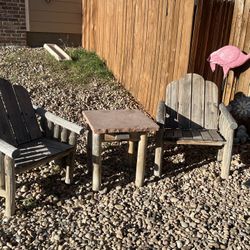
column 228, row 57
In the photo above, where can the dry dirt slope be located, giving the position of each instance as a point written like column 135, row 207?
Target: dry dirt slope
column 190, row 207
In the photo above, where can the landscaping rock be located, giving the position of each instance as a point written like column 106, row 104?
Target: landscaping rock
column 188, row 207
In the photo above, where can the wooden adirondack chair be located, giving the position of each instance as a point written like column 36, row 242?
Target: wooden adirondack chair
column 191, row 115
column 25, row 145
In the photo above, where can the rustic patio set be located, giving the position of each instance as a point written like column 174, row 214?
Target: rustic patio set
column 31, row 136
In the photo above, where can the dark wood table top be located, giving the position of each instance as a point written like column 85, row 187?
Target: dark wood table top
column 119, row 121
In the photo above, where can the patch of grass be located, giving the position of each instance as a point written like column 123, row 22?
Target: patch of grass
column 83, row 67
column 29, row 202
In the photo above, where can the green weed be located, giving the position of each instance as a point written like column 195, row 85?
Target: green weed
column 83, row 67
column 29, row 202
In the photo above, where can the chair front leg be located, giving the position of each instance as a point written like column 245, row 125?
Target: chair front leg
column 70, row 160
column 10, row 186
column 141, row 160
column 227, row 155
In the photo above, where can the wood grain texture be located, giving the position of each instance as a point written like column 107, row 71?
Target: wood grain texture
column 10, row 186
column 191, row 103
column 2, row 172
column 15, row 115
column 238, row 80
column 57, row 120
column 172, row 97
column 6, row 132
column 141, row 159
column 196, row 137
column 21, row 152
column 227, row 154
column 96, row 161
column 8, row 149
column 184, row 102
column 131, row 154
column 116, row 121
column 40, row 149
column 28, row 112
column 211, row 105
column 158, row 152
column 197, row 102
column 211, row 31
column 144, row 46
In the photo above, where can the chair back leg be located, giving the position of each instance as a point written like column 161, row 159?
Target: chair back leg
column 220, row 154
column 158, row 152
column 70, row 159
column 2, row 172
column 70, row 167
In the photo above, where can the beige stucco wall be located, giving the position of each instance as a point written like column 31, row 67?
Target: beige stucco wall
column 55, row 16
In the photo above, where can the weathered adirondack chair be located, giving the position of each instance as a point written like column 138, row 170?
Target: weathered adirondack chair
column 25, row 145
column 191, row 115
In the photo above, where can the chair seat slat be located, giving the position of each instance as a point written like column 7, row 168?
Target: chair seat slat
column 196, row 134
column 215, row 135
column 201, row 137
column 38, row 150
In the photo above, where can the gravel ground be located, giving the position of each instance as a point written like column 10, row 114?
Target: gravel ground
column 189, row 207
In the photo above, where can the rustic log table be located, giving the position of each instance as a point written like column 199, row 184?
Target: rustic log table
column 117, row 125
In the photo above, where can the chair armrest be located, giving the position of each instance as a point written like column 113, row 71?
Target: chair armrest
column 227, row 124
column 8, row 149
column 161, row 114
column 59, row 121
column 227, row 117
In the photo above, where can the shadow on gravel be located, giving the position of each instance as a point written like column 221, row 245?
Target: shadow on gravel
column 183, row 159
column 116, row 171
column 244, row 152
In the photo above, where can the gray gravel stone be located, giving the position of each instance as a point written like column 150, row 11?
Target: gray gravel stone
column 189, row 207
column 179, row 244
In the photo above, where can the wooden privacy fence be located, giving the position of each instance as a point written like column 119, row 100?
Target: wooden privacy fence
column 216, row 24
column 211, row 30
column 239, row 80
column 145, row 43
column 149, row 43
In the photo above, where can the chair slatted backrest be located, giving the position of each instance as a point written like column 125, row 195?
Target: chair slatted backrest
column 18, row 123
column 192, row 103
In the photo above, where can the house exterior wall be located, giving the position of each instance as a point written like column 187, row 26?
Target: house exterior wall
column 54, row 21
column 55, row 16
column 12, row 22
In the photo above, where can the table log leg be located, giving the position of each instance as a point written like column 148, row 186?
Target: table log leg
column 220, row 154
column 141, row 157
column 132, row 147
column 97, row 163
column 89, row 149
column 158, row 152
